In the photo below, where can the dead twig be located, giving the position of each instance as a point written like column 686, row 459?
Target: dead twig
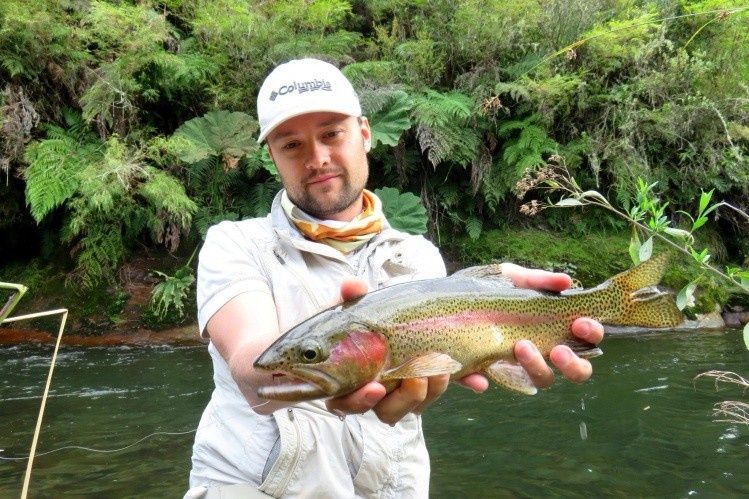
column 731, row 411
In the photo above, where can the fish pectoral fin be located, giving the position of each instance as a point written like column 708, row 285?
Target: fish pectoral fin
column 511, row 376
column 429, row 364
column 583, row 349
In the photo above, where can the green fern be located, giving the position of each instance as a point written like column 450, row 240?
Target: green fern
column 172, row 209
column 169, row 296
column 443, row 128
column 55, row 167
column 525, row 150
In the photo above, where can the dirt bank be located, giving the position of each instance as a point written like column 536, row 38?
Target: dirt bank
column 184, row 335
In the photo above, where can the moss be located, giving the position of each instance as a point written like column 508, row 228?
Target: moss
column 591, row 259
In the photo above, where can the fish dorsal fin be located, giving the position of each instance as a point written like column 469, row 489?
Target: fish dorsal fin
column 648, row 273
column 511, row 376
column 429, row 364
column 493, row 272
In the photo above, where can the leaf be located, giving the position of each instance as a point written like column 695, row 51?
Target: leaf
column 679, row 233
column 389, row 123
column 404, row 211
column 634, row 247
column 685, row 298
column 698, row 223
column 474, row 227
column 646, row 250
column 566, row 202
column 595, row 195
column 218, row 133
column 704, row 201
column 746, row 335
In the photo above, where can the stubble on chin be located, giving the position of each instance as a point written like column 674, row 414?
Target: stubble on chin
column 323, row 206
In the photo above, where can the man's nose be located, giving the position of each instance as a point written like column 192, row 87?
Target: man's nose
column 319, row 155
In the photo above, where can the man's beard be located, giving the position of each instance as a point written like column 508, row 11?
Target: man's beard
column 323, row 210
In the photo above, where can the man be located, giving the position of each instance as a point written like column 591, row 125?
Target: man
column 324, row 240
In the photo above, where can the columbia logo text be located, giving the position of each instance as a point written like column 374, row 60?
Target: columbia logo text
column 301, row 87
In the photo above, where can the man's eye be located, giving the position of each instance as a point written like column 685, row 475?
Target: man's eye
column 291, row 145
column 332, row 134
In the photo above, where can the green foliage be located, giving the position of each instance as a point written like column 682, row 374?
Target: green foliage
column 443, row 127
column 462, row 98
column 389, row 123
column 109, row 197
column 56, row 164
column 168, row 298
column 230, row 135
column 525, row 145
column 404, row 211
column 227, row 172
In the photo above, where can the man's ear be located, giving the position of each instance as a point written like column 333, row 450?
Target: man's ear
column 365, row 132
column 270, row 153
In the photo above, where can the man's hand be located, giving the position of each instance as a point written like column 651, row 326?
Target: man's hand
column 569, row 364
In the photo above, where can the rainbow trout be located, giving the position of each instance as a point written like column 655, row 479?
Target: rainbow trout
column 467, row 322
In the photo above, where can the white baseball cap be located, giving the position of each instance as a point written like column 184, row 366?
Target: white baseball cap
column 303, row 86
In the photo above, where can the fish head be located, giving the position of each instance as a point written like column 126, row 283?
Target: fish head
column 329, row 355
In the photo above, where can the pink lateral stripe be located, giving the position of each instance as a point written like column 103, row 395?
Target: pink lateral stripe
column 476, row 317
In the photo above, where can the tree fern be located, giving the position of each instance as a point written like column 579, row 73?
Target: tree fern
column 99, row 252
column 166, row 197
column 54, row 170
column 443, row 128
column 525, row 150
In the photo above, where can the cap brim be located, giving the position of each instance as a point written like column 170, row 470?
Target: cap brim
column 293, row 114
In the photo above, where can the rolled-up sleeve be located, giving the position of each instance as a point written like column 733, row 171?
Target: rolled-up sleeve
column 228, row 265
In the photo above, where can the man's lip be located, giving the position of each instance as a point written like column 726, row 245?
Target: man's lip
column 322, row 178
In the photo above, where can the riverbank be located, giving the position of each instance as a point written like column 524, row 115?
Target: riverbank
column 184, row 335
column 188, row 334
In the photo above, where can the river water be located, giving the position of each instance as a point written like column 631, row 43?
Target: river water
column 639, row 427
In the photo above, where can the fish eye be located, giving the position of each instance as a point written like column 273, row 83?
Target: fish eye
column 310, row 353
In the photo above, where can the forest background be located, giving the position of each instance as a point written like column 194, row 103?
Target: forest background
column 127, row 129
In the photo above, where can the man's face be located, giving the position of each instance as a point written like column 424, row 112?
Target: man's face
column 323, row 162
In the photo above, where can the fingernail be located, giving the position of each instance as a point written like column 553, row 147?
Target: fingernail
column 527, row 351
column 564, row 358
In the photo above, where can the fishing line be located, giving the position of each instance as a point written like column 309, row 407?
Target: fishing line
column 110, row 451
column 100, row 451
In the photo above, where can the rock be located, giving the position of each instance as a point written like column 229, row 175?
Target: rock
column 735, row 319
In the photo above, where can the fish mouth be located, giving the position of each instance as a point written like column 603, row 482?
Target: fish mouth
column 300, row 383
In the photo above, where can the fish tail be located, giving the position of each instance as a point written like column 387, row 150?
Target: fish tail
column 640, row 302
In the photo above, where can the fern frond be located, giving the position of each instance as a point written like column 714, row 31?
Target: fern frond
column 518, row 91
column 172, row 292
column 54, row 170
column 164, row 192
column 438, row 109
column 100, row 250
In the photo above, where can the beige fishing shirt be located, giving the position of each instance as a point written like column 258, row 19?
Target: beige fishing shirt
column 303, row 451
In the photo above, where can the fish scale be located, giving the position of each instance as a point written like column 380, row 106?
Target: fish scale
column 468, row 322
